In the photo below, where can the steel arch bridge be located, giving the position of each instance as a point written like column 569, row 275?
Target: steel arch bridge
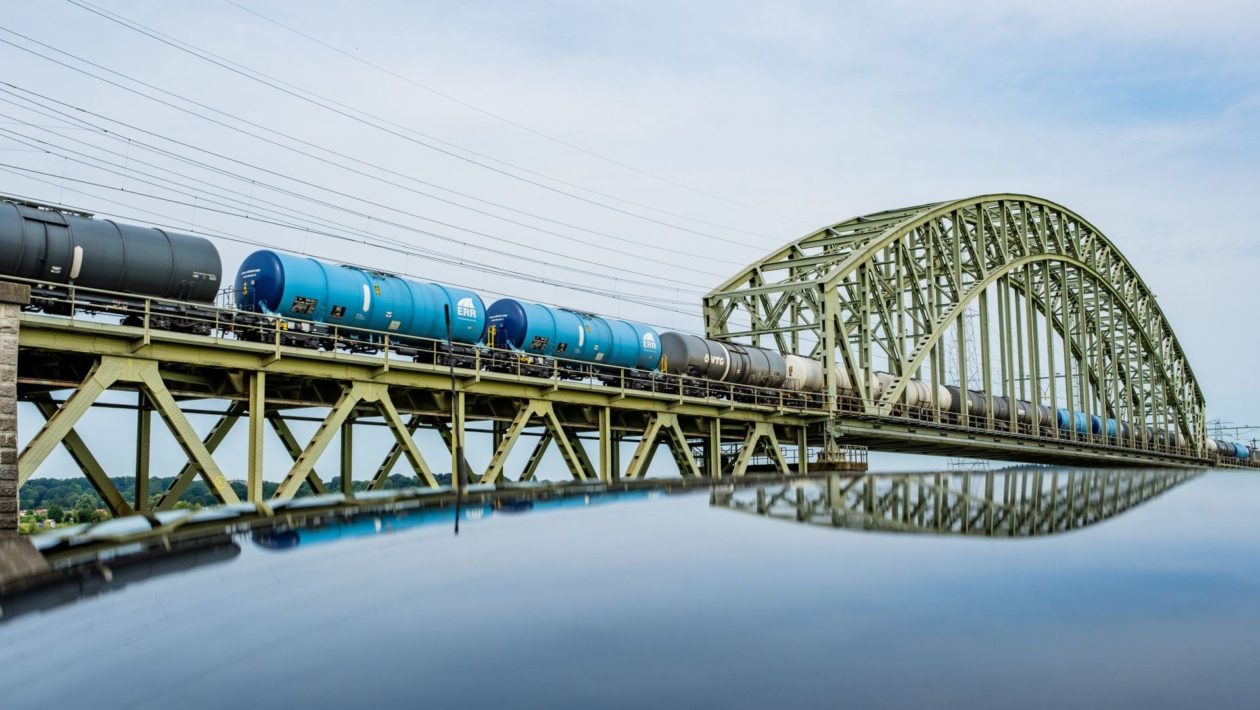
column 1003, row 296
column 1010, row 300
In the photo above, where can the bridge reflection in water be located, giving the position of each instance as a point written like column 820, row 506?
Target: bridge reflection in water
column 1013, row 503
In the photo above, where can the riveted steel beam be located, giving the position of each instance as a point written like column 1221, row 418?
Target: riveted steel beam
column 83, row 458
column 536, row 456
column 257, row 427
column 1085, row 331
column 761, row 434
column 293, row 448
column 146, row 373
column 664, row 429
column 402, row 436
column 218, row 432
column 103, row 374
column 305, row 462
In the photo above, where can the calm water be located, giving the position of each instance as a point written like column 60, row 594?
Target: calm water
column 670, row 601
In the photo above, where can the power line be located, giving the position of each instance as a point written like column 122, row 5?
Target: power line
column 375, row 176
column 169, row 221
column 125, row 169
column 372, row 241
column 528, row 129
column 376, row 122
column 151, row 148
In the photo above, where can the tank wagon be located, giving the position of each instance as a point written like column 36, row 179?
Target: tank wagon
column 59, row 250
column 564, row 340
column 1030, row 417
column 323, row 297
column 309, row 303
column 1228, row 450
column 691, row 355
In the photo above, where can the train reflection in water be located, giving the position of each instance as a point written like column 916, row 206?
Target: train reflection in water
column 333, row 529
column 1014, row 503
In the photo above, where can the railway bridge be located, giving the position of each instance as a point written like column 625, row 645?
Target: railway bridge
column 1055, row 350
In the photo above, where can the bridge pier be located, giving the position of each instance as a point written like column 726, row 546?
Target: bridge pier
column 12, row 298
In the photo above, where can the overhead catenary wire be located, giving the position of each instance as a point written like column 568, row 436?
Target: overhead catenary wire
column 371, row 175
column 666, row 282
column 133, row 142
column 125, row 170
column 409, row 251
column 375, row 176
column 377, row 123
column 205, row 204
column 516, row 124
column 462, row 263
column 166, row 221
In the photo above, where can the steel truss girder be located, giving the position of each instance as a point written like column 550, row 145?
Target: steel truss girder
column 143, row 374
column 353, row 395
column 82, row 456
column 891, row 285
column 663, row 428
column 579, row 465
column 89, row 357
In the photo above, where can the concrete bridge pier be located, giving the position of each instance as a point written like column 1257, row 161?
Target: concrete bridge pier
column 12, row 298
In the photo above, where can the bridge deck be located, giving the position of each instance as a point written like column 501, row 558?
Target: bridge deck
column 174, row 371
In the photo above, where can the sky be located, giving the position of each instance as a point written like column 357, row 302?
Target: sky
column 646, row 150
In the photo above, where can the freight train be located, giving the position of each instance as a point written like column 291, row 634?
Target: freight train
column 308, row 303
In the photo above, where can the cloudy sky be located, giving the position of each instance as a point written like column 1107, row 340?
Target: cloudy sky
column 625, row 157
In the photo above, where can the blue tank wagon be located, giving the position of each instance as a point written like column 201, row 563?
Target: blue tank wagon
column 304, row 289
column 544, row 334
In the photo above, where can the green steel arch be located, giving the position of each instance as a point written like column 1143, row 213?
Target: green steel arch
column 1005, row 295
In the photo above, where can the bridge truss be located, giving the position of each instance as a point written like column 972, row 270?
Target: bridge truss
column 603, row 432
column 1004, row 295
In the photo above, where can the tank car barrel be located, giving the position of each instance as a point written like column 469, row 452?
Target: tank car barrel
column 59, row 248
column 541, row 330
column 306, row 289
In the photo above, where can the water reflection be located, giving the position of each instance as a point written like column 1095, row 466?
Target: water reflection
column 318, row 532
column 113, row 573
column 676, row 603
column 1011, row 503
